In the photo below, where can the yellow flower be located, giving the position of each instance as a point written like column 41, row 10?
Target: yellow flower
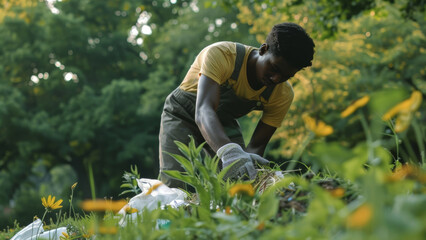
column 50, row 203
column 354, row 106
column 103, row 205
column 86, row 235
column 74, row 185
column 261, row 226
column 130, row 210
column 108, row 230
column 89, row 233
column 228, row 210
column 241, row 188
column 403, row 121
column 337, row 192
column 405, row 111
column 407, row 171
column 47, row 227
column 318, row 127
column 360, row 217
column 410, row 105
column 66, row 236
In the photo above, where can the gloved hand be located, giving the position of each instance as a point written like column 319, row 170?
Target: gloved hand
column 232, row 152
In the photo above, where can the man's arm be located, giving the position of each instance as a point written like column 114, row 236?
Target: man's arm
column 260, row 138
column 208, row 96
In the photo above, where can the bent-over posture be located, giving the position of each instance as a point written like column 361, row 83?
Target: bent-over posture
column 226, row 81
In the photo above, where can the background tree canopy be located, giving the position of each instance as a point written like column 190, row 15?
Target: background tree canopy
column 82, row 83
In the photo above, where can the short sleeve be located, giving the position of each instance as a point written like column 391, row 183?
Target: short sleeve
column 275, row 111
column 217, row 63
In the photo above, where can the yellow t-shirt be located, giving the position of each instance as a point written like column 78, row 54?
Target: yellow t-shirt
column 217, row 62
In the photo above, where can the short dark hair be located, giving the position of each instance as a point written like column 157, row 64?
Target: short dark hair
column 291, row 42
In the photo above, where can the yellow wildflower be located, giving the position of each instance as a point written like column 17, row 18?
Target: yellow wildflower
column 74, row 185
column 103, row 205
column 50, row 203
column 86, row 235
column 354, row 106
column 318, row 127
column 337, row 192
column 407, row 171
column 89, row 233
column 241, row 188
column 47, row 227
column 261, row 226
column 130, row 210
column 228, row 210
column 108, row 230
column 403, row 121
column 404, row 111
column 360, row 217
column 411, row 105
column 65, row 236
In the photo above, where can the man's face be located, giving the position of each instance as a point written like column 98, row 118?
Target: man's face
column 272, row 70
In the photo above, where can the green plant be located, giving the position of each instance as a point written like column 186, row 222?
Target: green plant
column 201, row 173
column 130, row 181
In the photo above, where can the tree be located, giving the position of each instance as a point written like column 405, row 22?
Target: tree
column 374, row 49
column 83, row 83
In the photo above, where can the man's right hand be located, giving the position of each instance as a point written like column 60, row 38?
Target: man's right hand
column 232, row 152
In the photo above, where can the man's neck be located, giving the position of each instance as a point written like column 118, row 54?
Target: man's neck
column 251, row 70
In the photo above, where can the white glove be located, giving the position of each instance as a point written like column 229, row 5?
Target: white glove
column 231, row 152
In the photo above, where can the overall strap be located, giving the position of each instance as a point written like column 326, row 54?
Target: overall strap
column 241, row 52
column 267, row 92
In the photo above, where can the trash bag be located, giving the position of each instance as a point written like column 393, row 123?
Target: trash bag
column 35, row 231
column 154, row 194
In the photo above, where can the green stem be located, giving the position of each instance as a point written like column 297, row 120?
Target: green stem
column 92, row 180
column 72, row 192
column 410, row 151
column 38, row 229
column 419, row 138
column 367, row 131
column 58, row 218
column 300, row 150
column 396, row 139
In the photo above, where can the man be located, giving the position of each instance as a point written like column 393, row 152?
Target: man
column 226, row 81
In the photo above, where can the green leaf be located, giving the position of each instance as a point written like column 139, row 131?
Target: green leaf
column 268, row 206
column 186, row 164
column 204, row 214
column 217, row 188
column 127, row 191
column 183, row 148
column 126, row 185
column 204, row 174
column 179, row 176
column 199, row 148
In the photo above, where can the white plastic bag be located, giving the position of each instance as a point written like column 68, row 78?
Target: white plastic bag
column 31, row 230
column 154, row 194
column 53, row 234
column 35, row 231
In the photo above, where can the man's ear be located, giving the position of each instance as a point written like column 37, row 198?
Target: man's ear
column 263, row 48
